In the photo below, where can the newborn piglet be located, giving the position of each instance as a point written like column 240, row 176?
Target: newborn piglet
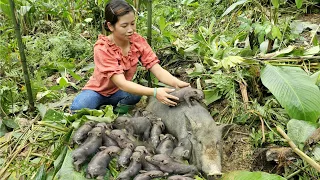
column 167, row 164
column 149, row 175
column 88, row 148
column 166, row 145
column 133, row 169
column 82, row 133
column 124, row 157
column 182, row 151
column 120, row 136
column 145, row 164
column 97, row 167
column 188, row 94
column 157, row 128
column 139, row 126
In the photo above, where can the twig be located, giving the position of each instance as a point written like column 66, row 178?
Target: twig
column 298, row 151
column 262, row 129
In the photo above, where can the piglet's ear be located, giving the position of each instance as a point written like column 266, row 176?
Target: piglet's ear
column 164, row 162
column 89, row 133
column 102, row 148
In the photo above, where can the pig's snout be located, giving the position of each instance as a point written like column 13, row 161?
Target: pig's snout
column 148, row 158
column 214, row 176
column 211, row 161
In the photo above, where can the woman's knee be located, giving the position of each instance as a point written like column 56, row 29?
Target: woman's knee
column 86, row 99
column 130, row 99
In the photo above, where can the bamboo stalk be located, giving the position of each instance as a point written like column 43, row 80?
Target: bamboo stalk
column 298, row 151
column 22, row 56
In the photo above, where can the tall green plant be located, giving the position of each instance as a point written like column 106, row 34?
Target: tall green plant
column 22, row 56
column 294, row 90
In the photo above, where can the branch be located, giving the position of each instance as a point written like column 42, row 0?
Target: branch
column 298, row 151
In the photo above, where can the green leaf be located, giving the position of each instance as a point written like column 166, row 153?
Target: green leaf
column 5, row 8
column 162, row 23
column 275, row 3
column 312, row 51
column 67, row 171
column 3, row 129
column 75, row 76
column 316, row 77
column 191, row 48
column 299, row 131
column 276, row 32
column 233, row 6
column 316, row 153
column 294, row 90
column 299, row 3
column 100, row 119
column 63, row 81
column 10, row 123
column 211, row 95
column 231, row 61
column 41, row 174
column 246, row 175
column 53, row 115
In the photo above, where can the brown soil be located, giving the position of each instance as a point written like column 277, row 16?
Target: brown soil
column 237, row 151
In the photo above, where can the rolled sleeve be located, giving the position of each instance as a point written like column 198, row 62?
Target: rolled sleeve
column 148, row 57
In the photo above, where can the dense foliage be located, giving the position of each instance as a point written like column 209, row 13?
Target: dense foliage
column 256, row 61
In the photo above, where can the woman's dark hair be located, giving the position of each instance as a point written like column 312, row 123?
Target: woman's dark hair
column 115, row 9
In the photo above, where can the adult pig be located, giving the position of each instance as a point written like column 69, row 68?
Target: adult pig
column 205, row 134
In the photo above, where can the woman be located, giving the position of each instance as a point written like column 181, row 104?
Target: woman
column 116, row 58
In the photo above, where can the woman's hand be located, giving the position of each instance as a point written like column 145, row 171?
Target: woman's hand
column 181, row 84
column 164, row 97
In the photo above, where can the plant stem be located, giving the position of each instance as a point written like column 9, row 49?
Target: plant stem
column 52, row 126
column 298, row 151
column 22, row 56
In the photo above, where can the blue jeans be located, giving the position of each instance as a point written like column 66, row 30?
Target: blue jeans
column 93, row 100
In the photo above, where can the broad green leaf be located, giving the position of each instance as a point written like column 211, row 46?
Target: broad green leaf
column 198, row 68
column 59, row 161
column 40, row 95
column 299, row 130
column 75, row 76
column 275, row 3
column 316, row 153
column 5, row 8
column 246, row 175
column 53, row 115
column 264, row 46
column 276, row 32
column 100, row 119
column 24, row 9
column 312, row 51
column 3, row 129
column 316, row 77
column 10, row 123
column 67, row 170
column 299, row 3
column 211, row 95
column 41, row 174
column 233, row 6
column 191, row 48
column 42, row 109
column 284, row 51
column 62, row 81
column 231, row 61
column 294, row 90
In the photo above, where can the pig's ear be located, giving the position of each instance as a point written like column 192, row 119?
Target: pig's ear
column 225, row 128
column 89, row 133
column 162, row 137
column 194, row 126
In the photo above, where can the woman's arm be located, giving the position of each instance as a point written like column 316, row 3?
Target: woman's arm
column 165, row 77
column 128, row 86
